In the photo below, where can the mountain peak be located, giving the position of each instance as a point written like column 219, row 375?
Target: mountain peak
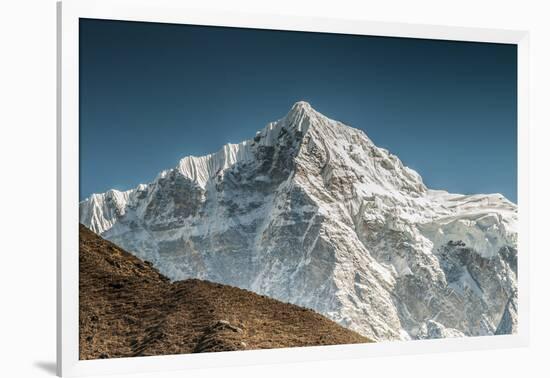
column 301, row 105
column 301, row 116
column 311, row 212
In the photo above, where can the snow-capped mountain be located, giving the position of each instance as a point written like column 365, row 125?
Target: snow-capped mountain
column 311, row 212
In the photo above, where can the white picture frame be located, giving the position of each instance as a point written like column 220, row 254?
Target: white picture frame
column 163, row 11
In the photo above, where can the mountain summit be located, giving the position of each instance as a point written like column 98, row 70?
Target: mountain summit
column 310, row 211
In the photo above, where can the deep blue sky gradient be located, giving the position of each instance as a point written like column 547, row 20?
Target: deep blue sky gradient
column 151, row 94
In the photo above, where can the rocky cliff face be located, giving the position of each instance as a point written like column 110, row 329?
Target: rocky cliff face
column 311, row 212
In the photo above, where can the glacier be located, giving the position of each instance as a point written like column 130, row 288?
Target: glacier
column 310, row 211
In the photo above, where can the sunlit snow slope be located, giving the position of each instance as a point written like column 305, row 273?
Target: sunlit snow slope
column 311, row 212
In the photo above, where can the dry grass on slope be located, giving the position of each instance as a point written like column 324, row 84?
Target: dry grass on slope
column 127, row 308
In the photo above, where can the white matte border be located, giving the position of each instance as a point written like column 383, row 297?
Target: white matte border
column 170, row 11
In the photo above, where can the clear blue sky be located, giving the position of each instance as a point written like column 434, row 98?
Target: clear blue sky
column 151, row 94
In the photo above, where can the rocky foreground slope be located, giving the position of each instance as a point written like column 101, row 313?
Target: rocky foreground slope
column 310, row 211
column 127, row 308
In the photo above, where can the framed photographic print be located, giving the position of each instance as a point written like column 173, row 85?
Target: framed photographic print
column 238, row 188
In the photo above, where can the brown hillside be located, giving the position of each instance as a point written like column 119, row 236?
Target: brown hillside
column 127, row 308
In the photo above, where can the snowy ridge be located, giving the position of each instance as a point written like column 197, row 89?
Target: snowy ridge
column 104, row 209
column 203, row 168
column 310, row 211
